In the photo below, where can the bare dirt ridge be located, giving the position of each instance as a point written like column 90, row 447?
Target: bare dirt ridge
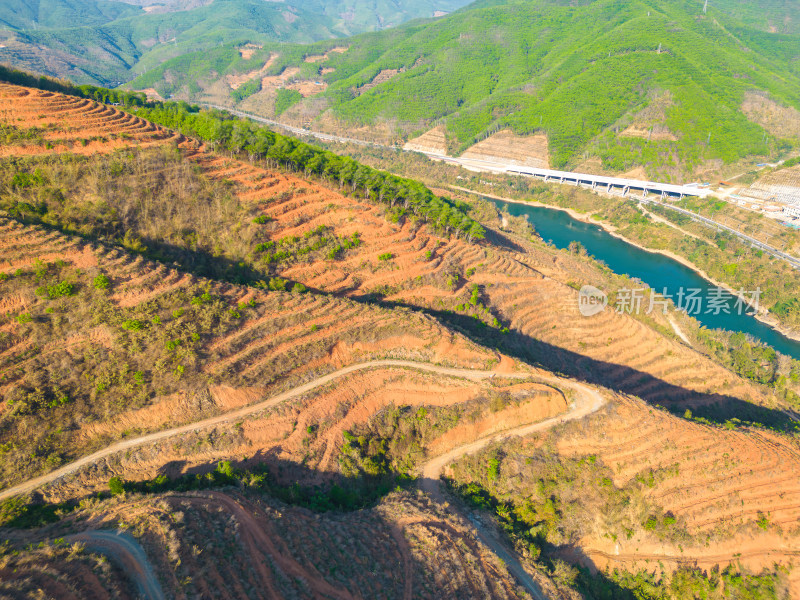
column 228, row 544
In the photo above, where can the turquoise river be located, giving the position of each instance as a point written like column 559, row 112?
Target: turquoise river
column 658, row 271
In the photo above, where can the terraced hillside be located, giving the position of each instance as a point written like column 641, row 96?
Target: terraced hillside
column 674, row 494
column 521, row 286
column 727, row 478
column 317, row 236
column 126, row 315
column 117, row 344
column 782, row 186
column 45, row 122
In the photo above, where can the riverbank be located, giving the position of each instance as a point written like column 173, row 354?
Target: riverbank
column 762, row 314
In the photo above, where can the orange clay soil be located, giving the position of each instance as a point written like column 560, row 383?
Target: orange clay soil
column 75, row 125
column 527, row 289
column 717, row 482
column 282, row 434
column 272, row 347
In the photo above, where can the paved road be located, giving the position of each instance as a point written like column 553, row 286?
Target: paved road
column 299, row 131
column 125, row 552
column 499, row 167
column 792, row 260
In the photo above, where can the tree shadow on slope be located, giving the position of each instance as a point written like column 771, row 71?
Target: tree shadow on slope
column 195, row 261
column 264, row 472
column 496, row 239
column 255, row 484
column 714, row 408
column 265, row 476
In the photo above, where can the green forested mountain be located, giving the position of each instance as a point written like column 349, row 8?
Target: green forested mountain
column 580, row 72
column 112, row 52
column 370, row 15
column 101, row 41
column 36, row 14
column 775, row 16
column 658, row 83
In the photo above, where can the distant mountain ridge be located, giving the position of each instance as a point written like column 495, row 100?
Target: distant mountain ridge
column 624, row 84
column 110, row 42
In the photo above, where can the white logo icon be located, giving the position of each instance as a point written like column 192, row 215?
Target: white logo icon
column 591, row 301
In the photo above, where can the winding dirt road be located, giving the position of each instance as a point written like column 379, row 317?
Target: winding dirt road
column 587, row 400
column 124, row 551
column 471, row 374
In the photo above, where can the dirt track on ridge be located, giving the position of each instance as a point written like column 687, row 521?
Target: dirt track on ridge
column 126, row 553
column 471, row 374
column 588, row 401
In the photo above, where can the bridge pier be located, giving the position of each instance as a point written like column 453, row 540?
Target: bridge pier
column 625, row 191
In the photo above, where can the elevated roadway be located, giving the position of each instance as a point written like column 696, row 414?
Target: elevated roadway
column 645, row 191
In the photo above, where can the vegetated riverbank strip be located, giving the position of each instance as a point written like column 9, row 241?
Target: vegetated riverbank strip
column 793, row 261
column 762, row 314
